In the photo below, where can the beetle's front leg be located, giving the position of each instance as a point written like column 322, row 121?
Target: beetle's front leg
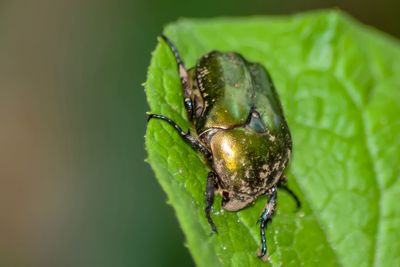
column 210, row 189
column 183, row 74
column 193, row 142
column 265, row 217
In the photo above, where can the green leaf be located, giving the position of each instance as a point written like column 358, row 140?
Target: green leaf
column 339, row 84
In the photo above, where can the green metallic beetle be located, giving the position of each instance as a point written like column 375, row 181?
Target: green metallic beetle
column 240, row 130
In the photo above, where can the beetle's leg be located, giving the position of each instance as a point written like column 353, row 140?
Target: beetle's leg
column 193, row 142
column 282, row 183
column 183, row 74
column 292, row 194
column 210, row 188
column 265, row 217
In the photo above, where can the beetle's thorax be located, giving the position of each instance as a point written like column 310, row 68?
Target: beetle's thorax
column 222, row 91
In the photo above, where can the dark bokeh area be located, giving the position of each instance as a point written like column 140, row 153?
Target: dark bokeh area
column 74, row 187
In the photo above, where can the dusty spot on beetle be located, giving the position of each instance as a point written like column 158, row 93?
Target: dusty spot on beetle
column 272, row 138
column 219, row 165
column 263, row 175
column 276, row 166
column 265, row 167
column 247, row 174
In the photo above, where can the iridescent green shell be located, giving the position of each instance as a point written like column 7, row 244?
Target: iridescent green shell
column 238, row 115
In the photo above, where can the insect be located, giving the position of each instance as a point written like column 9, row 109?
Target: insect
column 240, row 130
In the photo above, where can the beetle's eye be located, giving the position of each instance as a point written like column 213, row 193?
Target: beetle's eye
column 188, row 103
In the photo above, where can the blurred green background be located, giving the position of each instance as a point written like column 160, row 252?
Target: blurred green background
column 74, row 187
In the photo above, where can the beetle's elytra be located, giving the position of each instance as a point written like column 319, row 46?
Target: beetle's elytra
column 240, row 130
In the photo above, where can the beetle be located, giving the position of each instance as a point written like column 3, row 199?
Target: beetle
column 240, row 129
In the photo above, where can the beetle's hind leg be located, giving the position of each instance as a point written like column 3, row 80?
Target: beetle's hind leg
column 210, row 190
column 183, row 74
column 193, row 142
column 282, row 184
column 265, row 217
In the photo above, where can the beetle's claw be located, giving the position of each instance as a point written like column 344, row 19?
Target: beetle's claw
column 262, row 257
column 149, row 117
column 262, row 253
column 213, row 228
column 214, row 231
column 298, row 205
